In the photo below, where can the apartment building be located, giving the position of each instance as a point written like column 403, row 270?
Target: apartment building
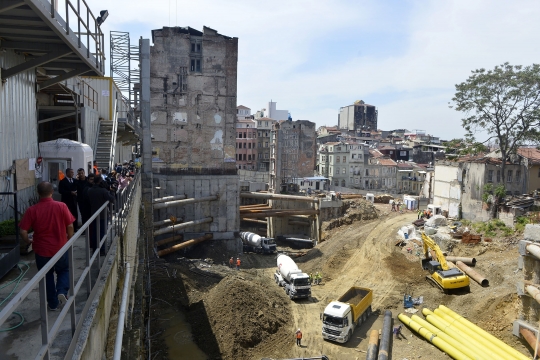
column 264, row 129
column 246, row 144
column 243, row 112
column 293, row 152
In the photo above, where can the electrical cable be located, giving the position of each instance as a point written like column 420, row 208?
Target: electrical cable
column 17, row 281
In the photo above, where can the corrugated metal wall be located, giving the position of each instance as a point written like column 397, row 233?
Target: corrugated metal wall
column 123, row 153
column 107, row 91
column 18, row 129
column 90, row 120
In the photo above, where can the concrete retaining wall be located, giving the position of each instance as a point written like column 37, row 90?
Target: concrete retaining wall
column 95, row 334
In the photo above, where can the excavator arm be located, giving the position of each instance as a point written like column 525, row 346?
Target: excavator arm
column 429, row 244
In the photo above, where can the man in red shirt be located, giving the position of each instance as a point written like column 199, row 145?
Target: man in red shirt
column 52, row 223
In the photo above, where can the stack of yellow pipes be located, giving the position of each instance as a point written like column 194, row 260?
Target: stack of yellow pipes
column 458, row 337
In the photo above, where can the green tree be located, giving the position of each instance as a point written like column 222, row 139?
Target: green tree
column 460, row 147
column 504, row 103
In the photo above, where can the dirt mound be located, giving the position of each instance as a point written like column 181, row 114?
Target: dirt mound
column 248, row 319
column 357, row 209
column 383, row 199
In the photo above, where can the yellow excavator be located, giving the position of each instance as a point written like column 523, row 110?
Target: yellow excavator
column 441, row 275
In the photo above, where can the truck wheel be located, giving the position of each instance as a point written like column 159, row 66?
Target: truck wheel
column 291, row 297
column 369, row 311
column 286, row 291
column 349, row 335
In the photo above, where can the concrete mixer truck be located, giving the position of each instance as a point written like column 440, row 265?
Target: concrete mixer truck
column 258, row 244
column 294, row 281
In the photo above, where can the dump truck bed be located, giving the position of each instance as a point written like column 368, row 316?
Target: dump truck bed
column 358, row 298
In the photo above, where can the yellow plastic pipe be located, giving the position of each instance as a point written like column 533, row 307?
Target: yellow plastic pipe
column 434, row 339
column 474, row 335
column 467, row 349
column 492, row 339
column 459, row 335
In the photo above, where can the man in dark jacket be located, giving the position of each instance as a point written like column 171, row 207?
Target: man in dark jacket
column 67, row 187
column 97, row 196
column 82, row 183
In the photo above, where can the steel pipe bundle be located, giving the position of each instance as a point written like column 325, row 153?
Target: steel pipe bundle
column 264, row 222
column 472, row 274
column 467, row 349
column 373, row 345
column 184, row 202
column 185, row 244
column 162, row 222
column 433, row 338
column 472, row 337
column 384, row 348
column 492, row 339
column 534, row 292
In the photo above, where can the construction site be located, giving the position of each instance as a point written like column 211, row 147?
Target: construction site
column 197, row 256
column 205, row 309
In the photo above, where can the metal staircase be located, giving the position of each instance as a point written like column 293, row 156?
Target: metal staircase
column 104, row 149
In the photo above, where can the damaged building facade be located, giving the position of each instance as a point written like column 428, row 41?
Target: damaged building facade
column 358, row 118
column 293, row 153
column 193, row 80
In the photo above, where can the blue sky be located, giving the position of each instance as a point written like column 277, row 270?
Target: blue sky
column 312, row 57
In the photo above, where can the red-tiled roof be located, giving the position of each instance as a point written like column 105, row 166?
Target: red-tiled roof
column 530, row 153
column 242, row 107
column 386, row 162
column 404, row 166
column 376, row 153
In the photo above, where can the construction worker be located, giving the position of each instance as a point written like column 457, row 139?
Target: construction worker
column 397, row 331
column 393, row 203
column 231, row 262
column 237, row 263
column 310, row 278
column 420, row 213
column 298, row 335
column 318, row 278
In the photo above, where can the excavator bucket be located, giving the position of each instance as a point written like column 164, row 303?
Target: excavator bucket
column 425, row 263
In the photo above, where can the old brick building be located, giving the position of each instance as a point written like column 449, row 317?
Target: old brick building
column 193, row 98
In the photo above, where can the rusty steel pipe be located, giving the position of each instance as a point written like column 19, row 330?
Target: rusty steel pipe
column 185, row 244
column 473, row 274
column 169, row 239
column 529, row 336
column 167, row 204
column 181, row 226
column 255, row 195
column 279, row 213
column 534, row 292
column 373, row 345
column 169, row 198
column 255, row 221
column 466, row 260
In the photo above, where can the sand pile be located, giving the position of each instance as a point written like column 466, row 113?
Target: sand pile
column 249, row 319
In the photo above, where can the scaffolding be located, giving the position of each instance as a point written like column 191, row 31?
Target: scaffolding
column 126, row 76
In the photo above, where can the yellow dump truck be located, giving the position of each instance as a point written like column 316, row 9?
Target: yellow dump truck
column 343, row 315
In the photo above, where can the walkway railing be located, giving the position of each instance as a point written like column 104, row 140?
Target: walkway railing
column 115, row 217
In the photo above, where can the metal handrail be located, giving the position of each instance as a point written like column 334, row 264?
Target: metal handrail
column 92, row 30
column 117, row 226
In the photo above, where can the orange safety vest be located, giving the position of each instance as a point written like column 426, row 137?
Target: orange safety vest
column 298, row 334
column 238, row 262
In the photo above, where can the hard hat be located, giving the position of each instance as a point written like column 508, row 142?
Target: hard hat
column 298, row 330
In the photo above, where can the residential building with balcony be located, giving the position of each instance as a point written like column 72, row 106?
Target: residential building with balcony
column 410, row 178
column 334, row 163
column 379, row 173
column 246, row 144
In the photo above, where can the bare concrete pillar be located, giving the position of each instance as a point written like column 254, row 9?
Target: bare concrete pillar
column 147, row 176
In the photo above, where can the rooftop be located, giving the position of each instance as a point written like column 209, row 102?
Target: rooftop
column 243, row 107
column 530, row 153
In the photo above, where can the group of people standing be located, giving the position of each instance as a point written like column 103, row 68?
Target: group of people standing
column 54, row 222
